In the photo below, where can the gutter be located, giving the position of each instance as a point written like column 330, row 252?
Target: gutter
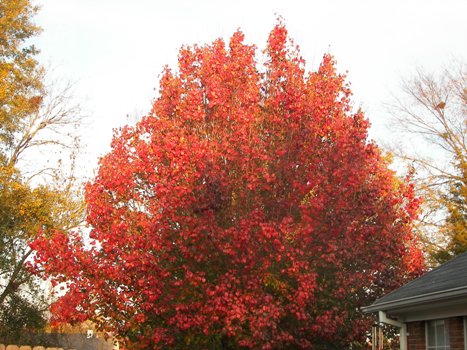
column 414, row 300
column 382, row 317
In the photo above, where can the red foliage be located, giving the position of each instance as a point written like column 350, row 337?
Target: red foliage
column 247, row 210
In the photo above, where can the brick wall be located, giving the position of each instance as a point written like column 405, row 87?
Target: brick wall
column 456, row 333
column 416, row 337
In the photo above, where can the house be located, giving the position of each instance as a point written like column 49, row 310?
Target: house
column 430, row 311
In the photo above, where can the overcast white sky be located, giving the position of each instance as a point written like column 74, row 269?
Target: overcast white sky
column 115, row 49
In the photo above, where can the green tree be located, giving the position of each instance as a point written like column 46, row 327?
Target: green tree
column 34, row 117
column 433, row 110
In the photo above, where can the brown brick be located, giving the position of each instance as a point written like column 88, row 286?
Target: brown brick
column 456, row 333
column 416, row 337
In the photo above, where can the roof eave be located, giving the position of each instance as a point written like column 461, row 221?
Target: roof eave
column 416, row 300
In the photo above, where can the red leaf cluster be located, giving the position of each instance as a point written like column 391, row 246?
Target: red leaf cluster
column 247, row 210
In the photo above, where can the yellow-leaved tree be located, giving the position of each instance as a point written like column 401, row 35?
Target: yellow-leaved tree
column 36, row 119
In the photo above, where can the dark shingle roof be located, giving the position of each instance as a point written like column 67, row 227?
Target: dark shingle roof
column 449, row 276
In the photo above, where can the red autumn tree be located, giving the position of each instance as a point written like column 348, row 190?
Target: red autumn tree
column 247, row 210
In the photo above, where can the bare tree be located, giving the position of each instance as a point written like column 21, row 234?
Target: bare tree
column 38, row 148
column 431, row 114
column 39, row 193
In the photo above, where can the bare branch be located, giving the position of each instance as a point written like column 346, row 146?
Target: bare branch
column 432, row 111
